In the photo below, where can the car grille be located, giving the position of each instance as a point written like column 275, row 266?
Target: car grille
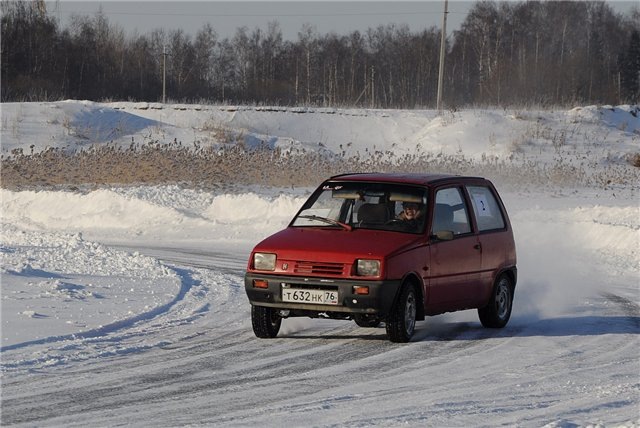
column 317, row 268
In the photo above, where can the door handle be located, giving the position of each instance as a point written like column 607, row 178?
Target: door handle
column 478, row 247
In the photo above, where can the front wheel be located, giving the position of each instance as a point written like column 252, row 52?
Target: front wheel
column 402, row 319
column 266, row 322
column 498, row 311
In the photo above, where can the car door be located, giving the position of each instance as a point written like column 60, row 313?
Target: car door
column 494, row 237
column 454, row 271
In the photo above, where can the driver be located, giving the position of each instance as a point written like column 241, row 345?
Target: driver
column 410, row 215
column 410, row 211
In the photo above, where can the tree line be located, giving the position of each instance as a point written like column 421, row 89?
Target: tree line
column 505, row 53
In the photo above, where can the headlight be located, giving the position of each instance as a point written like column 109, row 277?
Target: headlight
column 368, row 267
column 264, row 261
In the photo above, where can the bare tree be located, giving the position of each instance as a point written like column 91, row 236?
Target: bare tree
column 504, row 53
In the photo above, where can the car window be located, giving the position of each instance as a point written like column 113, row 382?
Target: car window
column 486, row 208
column 450, row 212
column 363, row 205
column 324, row 206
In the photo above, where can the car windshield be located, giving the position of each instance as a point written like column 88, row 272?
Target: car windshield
column 362, row 205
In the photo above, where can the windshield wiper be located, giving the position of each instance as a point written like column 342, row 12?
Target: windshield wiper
column 328, row 221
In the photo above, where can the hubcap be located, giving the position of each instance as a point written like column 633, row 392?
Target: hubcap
column 503, row 300
column 410, row 314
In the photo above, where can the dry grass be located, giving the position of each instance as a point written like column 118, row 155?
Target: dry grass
column 198, row 167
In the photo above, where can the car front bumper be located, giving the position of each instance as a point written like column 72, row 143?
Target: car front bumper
column 378, row 301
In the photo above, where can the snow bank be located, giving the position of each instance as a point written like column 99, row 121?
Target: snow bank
column 57, row 285
column 624, row 117
column 250, row 208
column 163, row 213
column 597, row 132
column 100, row 209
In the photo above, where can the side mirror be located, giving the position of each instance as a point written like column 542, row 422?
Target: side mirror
column 444, row 235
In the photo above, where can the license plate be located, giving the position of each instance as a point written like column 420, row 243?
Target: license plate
column 306, row 295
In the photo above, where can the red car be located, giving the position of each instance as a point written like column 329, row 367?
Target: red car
column 387, row 248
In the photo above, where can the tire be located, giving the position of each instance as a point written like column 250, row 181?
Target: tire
column 266, row 322
column 367, row 321
column 498, row 311
column 402, row 319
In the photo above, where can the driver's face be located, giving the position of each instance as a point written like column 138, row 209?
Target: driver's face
column 410, row 211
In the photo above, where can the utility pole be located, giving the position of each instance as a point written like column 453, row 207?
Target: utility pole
column 373, row 89
column 443, row 43
column 164, row 74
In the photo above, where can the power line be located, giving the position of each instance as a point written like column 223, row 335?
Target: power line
column 263, row 15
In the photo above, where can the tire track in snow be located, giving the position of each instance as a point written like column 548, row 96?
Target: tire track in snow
column 186, row 284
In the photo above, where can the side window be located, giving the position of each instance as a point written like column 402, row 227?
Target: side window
column 450, row 212
column 486, row 208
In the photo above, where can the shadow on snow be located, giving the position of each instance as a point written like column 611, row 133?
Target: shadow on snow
column 452, row 331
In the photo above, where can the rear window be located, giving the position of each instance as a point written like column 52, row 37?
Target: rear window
column 486, row 208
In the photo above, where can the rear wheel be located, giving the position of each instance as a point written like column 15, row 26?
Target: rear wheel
column 266, row 322
column 366, row 320
column 498, row 311
column 402, row 319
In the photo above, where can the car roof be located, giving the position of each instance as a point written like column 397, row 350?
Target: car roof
column 404, row 178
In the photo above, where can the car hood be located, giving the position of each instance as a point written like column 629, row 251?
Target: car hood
column 335, row 245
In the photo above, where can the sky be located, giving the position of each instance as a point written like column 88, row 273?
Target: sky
column 341, row 17
column 227, row 16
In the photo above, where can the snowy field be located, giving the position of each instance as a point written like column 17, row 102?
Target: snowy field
column 125, row 305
